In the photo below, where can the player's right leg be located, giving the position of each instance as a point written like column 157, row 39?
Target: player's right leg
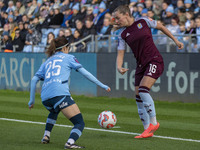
column 51, row 120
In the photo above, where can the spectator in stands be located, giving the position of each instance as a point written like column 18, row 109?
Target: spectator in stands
column 68, row 35
column 152, row 15
column 75, row 16
column 10, row 19
column 149, row 4
column 37, row 24
column 20, row 7
column 140, row 7
column 22, row 31
column 191, row 29
column 11, row 7
column 55, row 4
column 2, row 7
column 188, row 5
column 197, row 9
column 189, row 15
column 17, row 16
column 83, row 12
column 67, row 16
column 89, row 28
column 33, row 37
column 174, row 28
column 183, row 39
column 105, row 30
column 134, row 12
column 4, row 18
column 169, row 15
column 57, row 19
column 25, row 18
column 6, row 41
column 157, row 8
column 81, row 47
column 197, row 23
column 163, row 13
column 98, row 21
column 18, row 41
column 180, row 5
column 80, row 26
column 64, row 5
column 44, row 11
column 32, row 9
column 132, row 3
column 48, row 19
column 89, row 14
column 28, row 6
column 61, row 33
column 144, row 12
column 50, row 37
column 181, row 15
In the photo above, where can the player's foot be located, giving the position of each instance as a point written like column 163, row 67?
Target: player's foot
column 72, row 146
column 45, row 139
column 149, row 132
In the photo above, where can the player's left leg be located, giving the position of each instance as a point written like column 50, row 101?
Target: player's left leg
column 145, row 85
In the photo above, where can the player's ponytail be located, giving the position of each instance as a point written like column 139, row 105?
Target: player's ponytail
column 56, row 45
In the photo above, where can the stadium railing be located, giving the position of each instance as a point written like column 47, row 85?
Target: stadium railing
column 108, row 44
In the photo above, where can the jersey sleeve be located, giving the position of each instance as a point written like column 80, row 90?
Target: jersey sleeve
column 121, row 43
column 41, row 72
column 74, row 64
column 150, row 22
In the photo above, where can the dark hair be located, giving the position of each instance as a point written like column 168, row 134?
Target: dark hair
column 123, row 9
column 56, row 43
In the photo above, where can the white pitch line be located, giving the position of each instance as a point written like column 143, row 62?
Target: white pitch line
column 103, row 130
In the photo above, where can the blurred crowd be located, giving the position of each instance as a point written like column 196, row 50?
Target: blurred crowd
column 24, row 23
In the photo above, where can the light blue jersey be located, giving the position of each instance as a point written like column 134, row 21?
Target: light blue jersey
column 56, row 72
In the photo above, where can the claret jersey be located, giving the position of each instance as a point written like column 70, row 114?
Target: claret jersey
column 139, row 38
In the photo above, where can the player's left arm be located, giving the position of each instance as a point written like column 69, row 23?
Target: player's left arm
column 169, row 34
column 93, row 79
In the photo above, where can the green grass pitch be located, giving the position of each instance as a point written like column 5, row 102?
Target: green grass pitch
column 177, row 120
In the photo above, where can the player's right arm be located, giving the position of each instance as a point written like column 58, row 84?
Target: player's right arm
column 34, row 81
column 120, row 56
column 38, row 76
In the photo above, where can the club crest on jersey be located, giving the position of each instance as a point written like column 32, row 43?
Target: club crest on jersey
column 76, row 59
column 139, row 25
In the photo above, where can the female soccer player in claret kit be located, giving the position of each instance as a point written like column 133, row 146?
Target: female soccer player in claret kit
column 137, row 34
column 55, row 95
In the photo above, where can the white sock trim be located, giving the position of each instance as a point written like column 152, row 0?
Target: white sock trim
column 71, row 141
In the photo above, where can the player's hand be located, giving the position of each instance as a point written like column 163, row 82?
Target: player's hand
column 30, row 107
column 122, row 70
column 180, row 45
column 109, row 89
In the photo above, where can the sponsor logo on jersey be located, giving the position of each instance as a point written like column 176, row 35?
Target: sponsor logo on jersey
column 127, row 34
column 63, row 104
column 139, row 25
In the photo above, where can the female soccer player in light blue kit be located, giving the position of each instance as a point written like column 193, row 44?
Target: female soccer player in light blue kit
column 55, row 95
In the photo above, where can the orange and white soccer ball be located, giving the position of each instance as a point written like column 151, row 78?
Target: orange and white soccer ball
column 107, row 119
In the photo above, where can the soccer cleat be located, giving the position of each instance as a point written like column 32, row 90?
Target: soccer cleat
column 45, row 139
column 72, row 146
column 149, row 132
column 140, row 136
